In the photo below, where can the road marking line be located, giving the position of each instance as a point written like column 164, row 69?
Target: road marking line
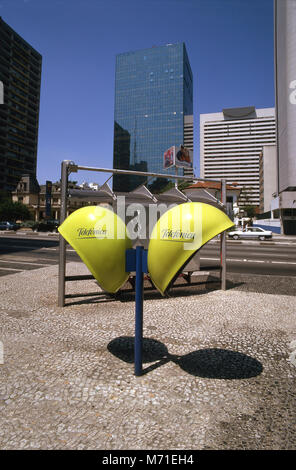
column 16, row 259
column 255, row 261
column 251, row 260
column 10, row 269
column 24, row 262
column 283, row 262
column 34, row 248
column 46, row 248
column 54, row 249
column 19, row 246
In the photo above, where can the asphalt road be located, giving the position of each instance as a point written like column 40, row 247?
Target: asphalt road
column 253, row 257
column 21, row 251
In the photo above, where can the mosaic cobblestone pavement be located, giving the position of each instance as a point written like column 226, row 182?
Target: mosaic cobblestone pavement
column 217, row 369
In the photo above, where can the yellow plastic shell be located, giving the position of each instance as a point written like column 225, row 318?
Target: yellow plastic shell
column 100, row 238
column 178, row 235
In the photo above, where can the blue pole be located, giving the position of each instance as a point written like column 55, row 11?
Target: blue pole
column 139, row 311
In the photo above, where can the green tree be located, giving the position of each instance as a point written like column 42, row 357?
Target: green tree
column 245, row 201
column 250, row 211
column 160, row 185
column 13, row 211
column 4, row 196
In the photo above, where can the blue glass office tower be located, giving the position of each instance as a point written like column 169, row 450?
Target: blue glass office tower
column 153, row 93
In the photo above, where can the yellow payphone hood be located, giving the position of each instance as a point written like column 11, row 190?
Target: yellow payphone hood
column 100, row 238
column 178, row 235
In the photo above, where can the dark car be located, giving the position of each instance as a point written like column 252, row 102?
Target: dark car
column 9, row 226
column 46, row 226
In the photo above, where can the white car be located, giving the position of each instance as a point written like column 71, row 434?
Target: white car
column 251, row 233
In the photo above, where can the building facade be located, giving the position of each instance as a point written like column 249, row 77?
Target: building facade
column 285, row 81
column 230, row 146
column 278, row 162
column 204, row 189
column 20, row 73
column 188, row 140
column 33, row 195
column 268, row 177
column 153, row 96
column 285, row 87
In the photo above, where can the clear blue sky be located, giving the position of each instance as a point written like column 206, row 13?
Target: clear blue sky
column 229, row 43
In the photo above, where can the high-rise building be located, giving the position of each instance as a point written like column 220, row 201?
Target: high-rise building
column 268, row 177
column 188, row 140
column 285, row 78
column 231, row 143
column 153, row 98
column 285, row 86
column 20, row 73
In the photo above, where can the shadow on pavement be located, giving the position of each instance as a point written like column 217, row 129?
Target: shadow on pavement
column 276, row 285
column 127, row 294
column 178, row 290
column 207, row 363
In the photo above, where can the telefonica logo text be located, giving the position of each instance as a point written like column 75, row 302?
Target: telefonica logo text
column 177, row 235
column 92, row 232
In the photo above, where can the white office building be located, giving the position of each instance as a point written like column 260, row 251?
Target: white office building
column 285, row 85
column 231, row 143
column 188, row 141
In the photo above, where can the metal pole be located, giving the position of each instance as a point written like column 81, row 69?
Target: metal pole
column 115, row 171
column 276, row 52
column 176, row 180
column 275, row 48
column 62, row 241
column 223, row 240
column 139, row 311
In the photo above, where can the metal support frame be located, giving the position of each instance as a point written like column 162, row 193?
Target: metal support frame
column 69, row 166
column 223, row 239
column 116, row 171
column 62, row 251
column 139, row 311
column 136, row 260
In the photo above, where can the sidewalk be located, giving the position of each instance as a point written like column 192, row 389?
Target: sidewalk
column 219, row 374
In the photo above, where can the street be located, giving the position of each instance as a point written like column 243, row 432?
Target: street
column 23, row 251
column 253, row 257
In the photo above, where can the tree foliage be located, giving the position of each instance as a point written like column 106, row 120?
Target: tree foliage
column 160, row 185
column 13, row 211
column 250, row 211
column 4, row 196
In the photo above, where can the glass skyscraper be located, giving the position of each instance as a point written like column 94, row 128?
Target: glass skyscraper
column 153, row 93
column 20, row 73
